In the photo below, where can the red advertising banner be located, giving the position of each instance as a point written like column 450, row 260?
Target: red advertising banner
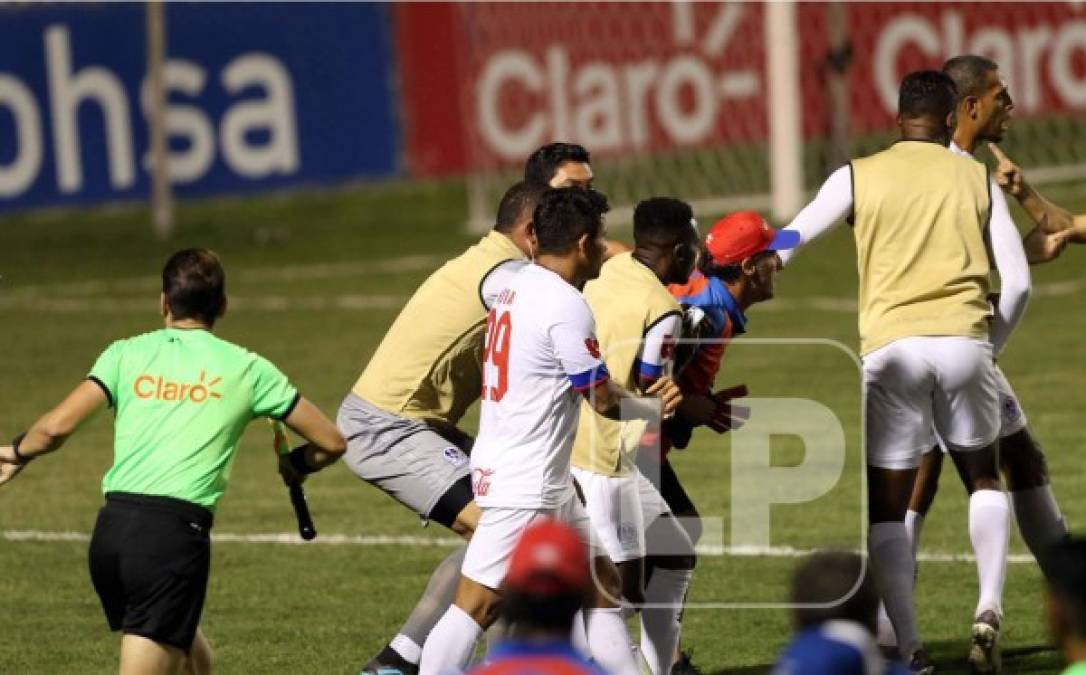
column 483, row 84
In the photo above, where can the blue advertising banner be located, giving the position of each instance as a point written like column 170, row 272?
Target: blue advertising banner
column 259, row 96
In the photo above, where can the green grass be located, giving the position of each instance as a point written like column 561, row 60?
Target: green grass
column 325, row 609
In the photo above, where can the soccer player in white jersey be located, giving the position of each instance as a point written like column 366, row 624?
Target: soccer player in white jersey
column 983, row 113
column 923, row 219
column 540, row 359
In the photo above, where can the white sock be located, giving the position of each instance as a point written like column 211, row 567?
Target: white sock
column 660, row 625
column 609, row 641
column 914, row 523
column 884, row 634
column 450, row 644
column 406, row 648
column 1039, row 519
column 579, row 638
column 990, row 531
column 892, row 566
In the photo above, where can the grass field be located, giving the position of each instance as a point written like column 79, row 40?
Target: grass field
column 314, row 279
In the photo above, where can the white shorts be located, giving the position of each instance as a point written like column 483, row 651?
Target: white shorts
column 620, row 509
column 487, row 558
column 1012, row 418
column 919, row 386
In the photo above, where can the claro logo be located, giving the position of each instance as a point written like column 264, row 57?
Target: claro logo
column 161, row 389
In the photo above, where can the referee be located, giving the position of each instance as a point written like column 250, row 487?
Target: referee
column 181, row 399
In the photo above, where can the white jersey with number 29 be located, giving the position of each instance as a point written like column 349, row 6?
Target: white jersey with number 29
column 540, row 354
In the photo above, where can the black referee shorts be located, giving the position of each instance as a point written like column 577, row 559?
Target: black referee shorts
column 149, row 561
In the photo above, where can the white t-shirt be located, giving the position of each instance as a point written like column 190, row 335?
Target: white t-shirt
column 540, row 353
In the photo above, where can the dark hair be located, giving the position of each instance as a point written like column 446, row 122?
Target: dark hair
column 1065, row 563
column 564, row 215
column 729, row 274
column 838, row 579
column 662, row 221
column 518, row 201
column 926, row 93
column 969, row 73
column 194, row 283
column 544, row 162
column 547, row 612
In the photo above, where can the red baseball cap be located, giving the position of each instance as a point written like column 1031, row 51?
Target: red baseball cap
column 740, row 235
column 549, row 559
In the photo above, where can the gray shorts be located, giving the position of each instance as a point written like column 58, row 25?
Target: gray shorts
column 404, row 458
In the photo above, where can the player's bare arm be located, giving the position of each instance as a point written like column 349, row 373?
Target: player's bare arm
column 325, row 443
column 615, row 403
column 52, row 429
column 1050, row 218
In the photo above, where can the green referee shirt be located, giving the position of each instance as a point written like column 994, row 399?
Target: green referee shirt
column 1076, row 669
column 182, row 399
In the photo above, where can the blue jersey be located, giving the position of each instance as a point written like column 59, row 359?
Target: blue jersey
column 519, row 658
column 835, row 648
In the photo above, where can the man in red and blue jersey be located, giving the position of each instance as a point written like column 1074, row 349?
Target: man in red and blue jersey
column 547, row 583
column 738, row 268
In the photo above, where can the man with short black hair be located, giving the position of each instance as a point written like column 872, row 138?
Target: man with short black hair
column 540, row 358
column 1066, row 602
column 639, row 324
column 401, row 418
column 982, row 113
column 927, row 229
column 560, row 165
column 182, row 398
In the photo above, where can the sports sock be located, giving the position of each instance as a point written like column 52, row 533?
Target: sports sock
column 406, row 648
column 914, row 523
column 989, row 530
column 450, row 644
column 435, row 601
column 660, row 625
column 1039, row 519
column 892, row 567
column 610, row 641
column 578, row 637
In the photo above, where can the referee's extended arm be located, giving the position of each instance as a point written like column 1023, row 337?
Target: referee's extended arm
column 325, row 445
column 52, row 429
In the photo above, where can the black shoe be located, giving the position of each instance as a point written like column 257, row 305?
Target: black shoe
column 389, row 662
column 921, row 663
column 685, row 666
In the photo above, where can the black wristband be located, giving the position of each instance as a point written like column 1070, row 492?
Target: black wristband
column 19, row 458
column 297, row 460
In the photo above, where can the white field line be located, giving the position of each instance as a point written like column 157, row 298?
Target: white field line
column 79, row 302
column 410, row 263
column 364, row 540
column 264, row 303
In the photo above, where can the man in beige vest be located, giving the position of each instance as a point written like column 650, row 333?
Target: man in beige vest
column 401, row 417
column 639, row 323
column 926, row 234
column 983, row 113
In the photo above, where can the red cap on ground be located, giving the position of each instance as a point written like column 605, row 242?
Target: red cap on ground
column 549, row 559
column 740, row 235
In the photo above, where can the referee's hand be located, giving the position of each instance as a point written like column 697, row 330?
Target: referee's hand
column 289, row 474
column 9, row 466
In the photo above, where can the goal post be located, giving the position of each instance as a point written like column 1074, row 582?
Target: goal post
column 726, row 105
